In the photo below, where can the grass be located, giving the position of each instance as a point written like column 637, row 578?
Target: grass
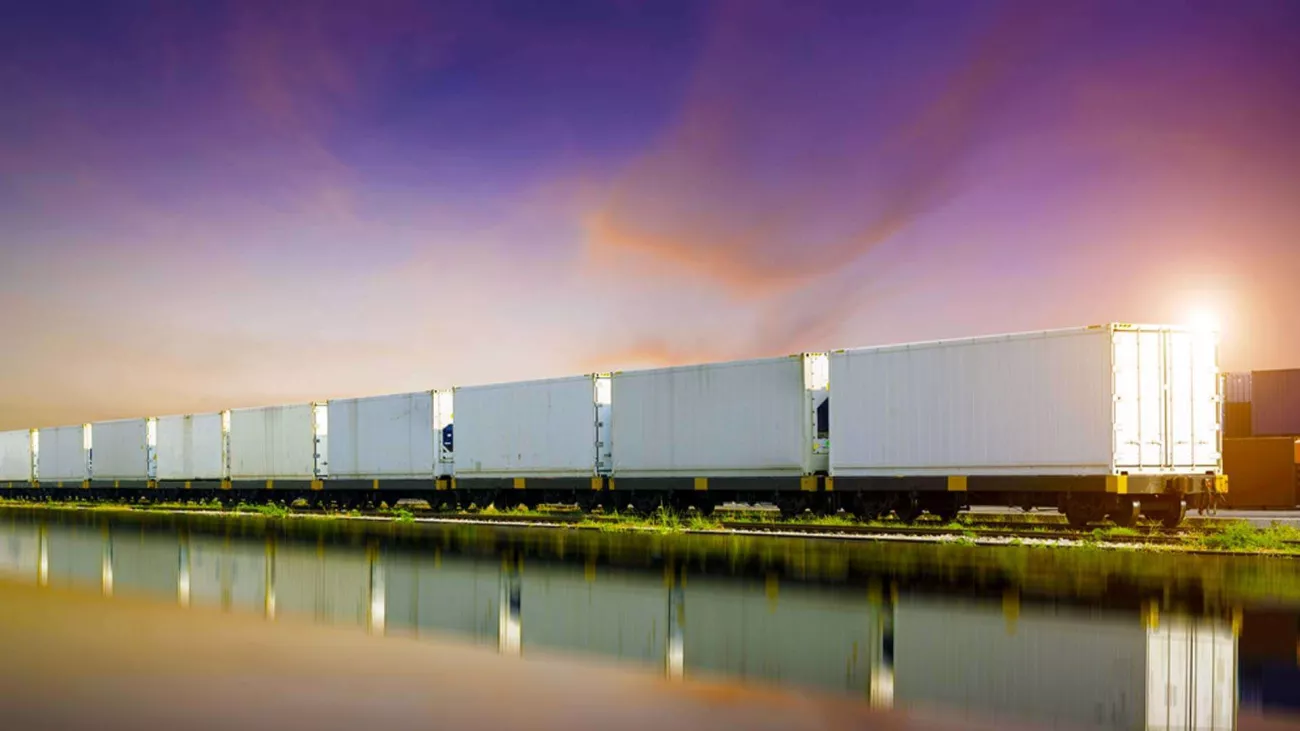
column 1235, row 537
column 1242, row 536
column 271, row 510
column 1101, row 534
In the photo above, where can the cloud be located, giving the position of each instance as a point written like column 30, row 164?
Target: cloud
column 792, row 166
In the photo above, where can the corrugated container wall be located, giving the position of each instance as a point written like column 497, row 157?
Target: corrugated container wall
column 382, row 437
column 61, row 454
column 122, row 450
column 542, row 429
column 1263, row 472
column 1275, row 403
column 16, row 456
column 1084, row 401
column 1237, row 420
column 740, row 419
column 275, row 443
column 191, row 447
column 1236, row 388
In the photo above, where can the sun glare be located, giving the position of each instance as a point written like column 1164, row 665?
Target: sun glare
column 1203, row 321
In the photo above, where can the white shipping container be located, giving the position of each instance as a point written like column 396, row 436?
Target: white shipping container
column 383, row 437
column 123, row 450
column 1084, row 401
column 1063, row 668
column 16, row 456
column 278, row 442
column 62, row 454
column 741, row 419
column 542, row 428
column 191, row 447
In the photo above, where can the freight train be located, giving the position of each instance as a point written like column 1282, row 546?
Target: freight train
column 1111, row 421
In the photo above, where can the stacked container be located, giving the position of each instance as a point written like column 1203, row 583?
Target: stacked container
column 1264, row 472
column 1236, row 405
column 1275, row 403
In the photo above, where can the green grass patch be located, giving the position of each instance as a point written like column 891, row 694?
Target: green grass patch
column 1242, row 536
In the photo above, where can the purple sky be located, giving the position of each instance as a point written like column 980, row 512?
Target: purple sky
column 213, row 205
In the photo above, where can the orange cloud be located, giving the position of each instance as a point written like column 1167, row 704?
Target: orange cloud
column 709, row 202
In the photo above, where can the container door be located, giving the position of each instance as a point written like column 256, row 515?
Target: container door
column 604, row 425
column 320, row 426
column 1139, row 399
column 1193, row 400
column 151, row 448
column 444, row 432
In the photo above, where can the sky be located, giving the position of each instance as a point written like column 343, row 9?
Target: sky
column 226, row 204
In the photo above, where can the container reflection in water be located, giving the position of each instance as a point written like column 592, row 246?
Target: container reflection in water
column 145, row 564
column 20, row 552
column 425, row 595
column 227, row 574
column 1070, row 667
column 614, row 614
column 77, row 557
column 792, row 633
column 328, row 586
column 1042, row 661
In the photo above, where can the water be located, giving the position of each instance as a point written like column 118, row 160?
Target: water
column 1058, row 639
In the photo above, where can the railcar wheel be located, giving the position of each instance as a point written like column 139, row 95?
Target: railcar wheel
column 1174, row 515
column 1079, row 514
column 1125, row 513
column 792, row 507
column 908, row 508
column 948, row 513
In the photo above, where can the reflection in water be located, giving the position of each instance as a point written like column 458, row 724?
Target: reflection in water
column 1088, row 652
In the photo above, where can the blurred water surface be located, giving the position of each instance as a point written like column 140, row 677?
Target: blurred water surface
column 1051, row 638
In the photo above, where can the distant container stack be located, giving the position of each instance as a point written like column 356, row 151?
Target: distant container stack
column 1237, row 405
column 1263, row 472
column 1261, row 445
column 1275, row 403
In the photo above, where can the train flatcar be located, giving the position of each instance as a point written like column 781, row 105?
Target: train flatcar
column 1112, row 421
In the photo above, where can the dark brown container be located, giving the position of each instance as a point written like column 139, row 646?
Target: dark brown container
column 1237, row 421
column 1275, row 403
column 1262, row 471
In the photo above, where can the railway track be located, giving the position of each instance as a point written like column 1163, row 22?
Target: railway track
column 1041, row 528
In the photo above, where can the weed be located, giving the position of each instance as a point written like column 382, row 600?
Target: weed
column 1242, row 536
column 699, row 522
column 402, row 515
column 270, row 510
column 1101, row 534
